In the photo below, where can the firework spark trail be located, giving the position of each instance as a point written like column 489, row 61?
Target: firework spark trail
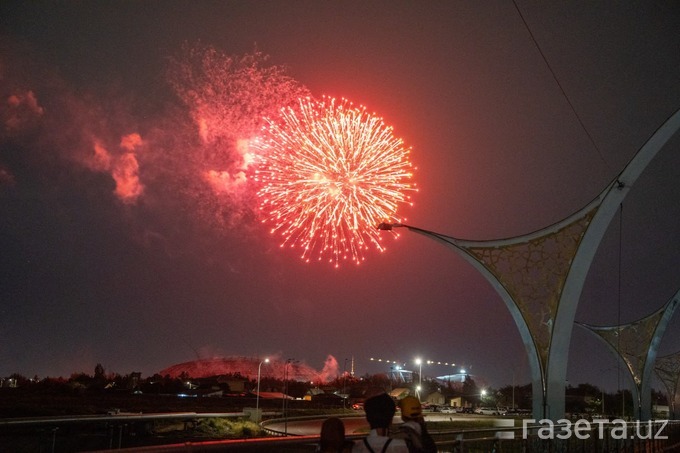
column 330, row 173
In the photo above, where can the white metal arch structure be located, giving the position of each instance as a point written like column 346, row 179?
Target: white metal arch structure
column 540, row 275
column 637, row 344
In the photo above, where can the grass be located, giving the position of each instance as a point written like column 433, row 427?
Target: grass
column 211, row 428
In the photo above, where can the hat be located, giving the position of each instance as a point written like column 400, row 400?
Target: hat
column 380, row 410
column 410, row 407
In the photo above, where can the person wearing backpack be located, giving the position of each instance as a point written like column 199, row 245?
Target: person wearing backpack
column 413, row 430
column 380, row 410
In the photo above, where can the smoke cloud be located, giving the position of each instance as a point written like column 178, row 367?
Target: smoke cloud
column 21, row 111
column 330, row 369
column 191, row 156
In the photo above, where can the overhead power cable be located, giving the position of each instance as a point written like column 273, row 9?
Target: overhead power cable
column 557, row 81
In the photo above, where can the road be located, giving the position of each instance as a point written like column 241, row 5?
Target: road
column 357, row 424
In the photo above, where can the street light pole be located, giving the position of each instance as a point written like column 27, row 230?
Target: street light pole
column 257, row 398
column 344, row 385
column 419, row 362
column 513, row 389
column 285, row 397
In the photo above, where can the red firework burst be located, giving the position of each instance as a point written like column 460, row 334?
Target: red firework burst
column 329, row 174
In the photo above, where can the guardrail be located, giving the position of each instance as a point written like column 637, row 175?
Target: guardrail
column 590, row 436
column 662, row 436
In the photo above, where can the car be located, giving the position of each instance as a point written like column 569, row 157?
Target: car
column 447, row 410
column 488, row 411
column 464, row 410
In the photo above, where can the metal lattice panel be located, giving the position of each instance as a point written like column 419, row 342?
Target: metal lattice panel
column 668, row 370
column 636, row 344
column 632, row 341
column 533, row 273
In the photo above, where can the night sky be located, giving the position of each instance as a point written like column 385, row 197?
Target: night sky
column 175, row 273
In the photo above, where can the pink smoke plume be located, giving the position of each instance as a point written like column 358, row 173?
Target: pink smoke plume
column 248, row 367
column 124, row 168
column 330, row 369
column 101, row 159
column 126, row 175
column 20, row 111
column 130, row 142
column 126, row 172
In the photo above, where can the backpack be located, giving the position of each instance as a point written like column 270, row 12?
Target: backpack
column 410, row 436
column 384, row 448
column 416, row 443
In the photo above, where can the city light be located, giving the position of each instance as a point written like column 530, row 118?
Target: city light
column 428, row 362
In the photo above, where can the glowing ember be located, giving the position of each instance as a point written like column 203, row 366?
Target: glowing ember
column 330, row 173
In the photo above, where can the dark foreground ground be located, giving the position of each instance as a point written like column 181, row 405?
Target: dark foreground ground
column 69, row 437
column 18, row 403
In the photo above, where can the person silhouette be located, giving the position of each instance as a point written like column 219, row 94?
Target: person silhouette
column 333, row 437
column 413, row 430
column 380, row 410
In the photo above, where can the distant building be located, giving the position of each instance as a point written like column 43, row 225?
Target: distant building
column 400, row 374
column 135, row 378
column 660, row 411
column 8, row 382
column 435, row 398
column 311, row 393
column 456, row 377
column 400, row 392
column 460, row 401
